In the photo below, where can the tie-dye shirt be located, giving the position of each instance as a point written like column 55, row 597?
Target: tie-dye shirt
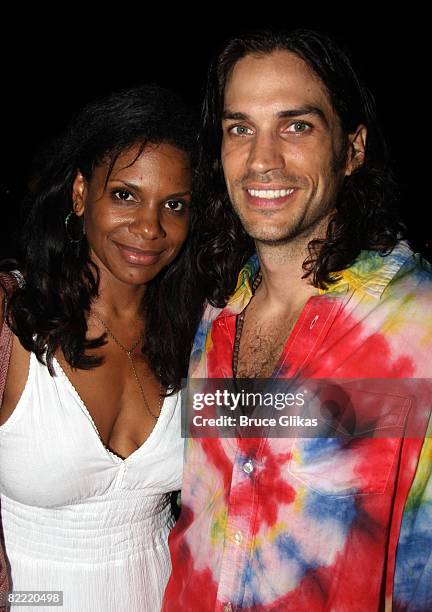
column 303, row 524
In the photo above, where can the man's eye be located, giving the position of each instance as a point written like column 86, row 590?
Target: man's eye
column 174, row 205
column 298, row 127
column 240, row 130
column 123, row 194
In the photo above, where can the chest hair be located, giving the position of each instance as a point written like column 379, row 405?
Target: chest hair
column 261, row 345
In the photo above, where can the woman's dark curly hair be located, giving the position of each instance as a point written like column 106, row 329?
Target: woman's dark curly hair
column 364, row 215
column 49, row 311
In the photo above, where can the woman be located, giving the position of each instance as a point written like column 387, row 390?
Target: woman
column 90, row 444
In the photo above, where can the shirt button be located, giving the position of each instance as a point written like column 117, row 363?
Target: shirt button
column 238, row 537
column 248, row 467
column 227, row 607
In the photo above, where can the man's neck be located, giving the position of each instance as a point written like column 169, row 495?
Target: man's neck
column 282, row 270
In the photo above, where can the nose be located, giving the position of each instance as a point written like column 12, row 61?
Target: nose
column 265, row 154
column 146, row 224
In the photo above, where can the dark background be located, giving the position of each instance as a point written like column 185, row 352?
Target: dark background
column 49, row 71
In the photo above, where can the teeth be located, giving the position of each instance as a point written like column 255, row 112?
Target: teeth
column 269, row 194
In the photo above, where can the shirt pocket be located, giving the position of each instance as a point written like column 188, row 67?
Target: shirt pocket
column 357, row 453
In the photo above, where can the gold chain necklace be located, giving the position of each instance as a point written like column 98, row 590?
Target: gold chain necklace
column 131, row 361
column 239, row 326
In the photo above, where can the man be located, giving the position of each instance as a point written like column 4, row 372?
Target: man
column 297, row 170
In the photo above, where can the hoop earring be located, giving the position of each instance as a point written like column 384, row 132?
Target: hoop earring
column 71, row 239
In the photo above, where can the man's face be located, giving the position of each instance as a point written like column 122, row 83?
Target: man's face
column 284, row 154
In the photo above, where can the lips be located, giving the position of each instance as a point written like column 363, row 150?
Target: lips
column 138, row 257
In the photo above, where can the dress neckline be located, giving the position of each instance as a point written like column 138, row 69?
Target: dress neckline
column 162, row 417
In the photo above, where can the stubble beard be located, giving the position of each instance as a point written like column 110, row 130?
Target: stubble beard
column 296, row 230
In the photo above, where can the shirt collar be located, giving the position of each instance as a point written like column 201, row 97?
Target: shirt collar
column 243, row 291
column 371, row 272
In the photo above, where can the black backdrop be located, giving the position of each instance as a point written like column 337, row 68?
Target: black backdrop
column 49, row 71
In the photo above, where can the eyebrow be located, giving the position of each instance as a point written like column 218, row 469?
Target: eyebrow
column 137, row 187
column 295, row 112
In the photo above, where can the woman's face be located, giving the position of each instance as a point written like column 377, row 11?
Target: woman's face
column 137, row 221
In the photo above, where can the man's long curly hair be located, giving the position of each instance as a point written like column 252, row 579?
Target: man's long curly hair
column 49, row 312
column 365, row 212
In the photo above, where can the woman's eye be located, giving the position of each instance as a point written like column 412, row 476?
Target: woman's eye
column 123, row 194
column 174, row 205
column 240, row 130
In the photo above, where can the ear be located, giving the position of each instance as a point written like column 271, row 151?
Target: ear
column 79, row 194
column 356, row 149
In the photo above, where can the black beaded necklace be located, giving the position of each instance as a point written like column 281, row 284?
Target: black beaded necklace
column 239, row 326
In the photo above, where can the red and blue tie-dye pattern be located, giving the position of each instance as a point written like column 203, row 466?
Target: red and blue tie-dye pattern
column 308, row 524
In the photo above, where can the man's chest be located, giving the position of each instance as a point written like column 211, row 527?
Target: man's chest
column 261, row 344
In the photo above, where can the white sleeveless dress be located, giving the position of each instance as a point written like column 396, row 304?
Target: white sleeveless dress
column 77, row 518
